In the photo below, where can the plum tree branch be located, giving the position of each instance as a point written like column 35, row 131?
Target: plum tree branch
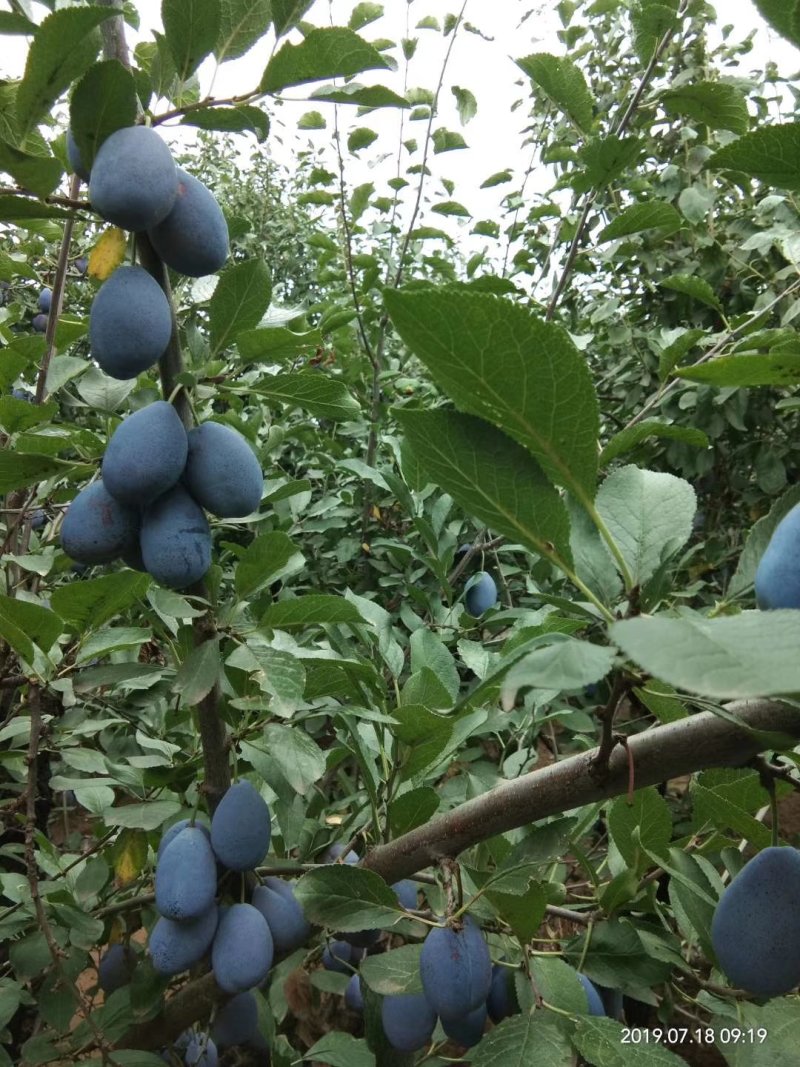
column 683, row 747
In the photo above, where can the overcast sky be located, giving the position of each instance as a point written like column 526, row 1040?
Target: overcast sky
column 486, row 67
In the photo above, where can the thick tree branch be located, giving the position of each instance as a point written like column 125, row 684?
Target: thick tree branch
column 682, row 747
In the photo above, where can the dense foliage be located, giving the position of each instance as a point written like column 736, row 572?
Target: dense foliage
column 453, row 739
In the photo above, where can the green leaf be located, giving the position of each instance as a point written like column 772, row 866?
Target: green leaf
column 104, row 101
column 770, row 153
column 778, row 1019
column 714, row 807
column 311, row 610
column 16, row 415
column 341, row 1050
column 11, row 23
column 649, row 814
column 428, row 650
column 412, row 809
column 199, row 673
column 565, row 664
column 19, row 470
column 617, row 957
column 499, row 361
column 451, row 207
column 39, row 173
column 371, row 96
column 25, row 625
column 364, row 13
column 715, row 104
column 696, row 288
column 466, row 103
column 347, row 898
column 652, row 20
column 147, row 816
column 18, row 208
column 333, row 52
column 648, row 514
column 603, row 1043
column 692, row 896
column 522, row 912
column 242, row 23
column 737, row 657
column 87, row 605
column 561, row 80
column 782, row 15
column 499, row 178
column 746, row 370
column 393, row 973
column 757, row 541
column 491, row 477
column 191, row 28
column 240, row 299
column 532, row 1040
column 447, row 141
column 287, row 13
column 270, row 557
column 65, row 44
column 240, row 119
column 425, row 733
column 654, row 215
column 275, row 342
column 628, row 439
column 606, row 158
column 298, row 757
column 327, row 398
column 672, row 355
column 361, row 137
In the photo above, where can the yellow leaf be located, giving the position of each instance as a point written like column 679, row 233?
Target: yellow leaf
column 366, row 547
column 375, row 512
column 107, row 254
column 130, row 856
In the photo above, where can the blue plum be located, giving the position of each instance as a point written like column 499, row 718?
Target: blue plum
column 222, row 472
column 456, row 969
column 201, row 1052
column 592, row 996
column 97, row 528
column 756, row 926
column 406, row 893
column 241, row 827
column 186, row 876
column 134, row 180
column 236, row 1022
column 74, row 157
column 81, row 264
column 193, row 238
column 175, row 829
column 39, row 323
column 336, row 851
column 145, row 455
column 469, row 1030
column 339, row 955
column 130, row 323
column 481, row 594
column 22, row 394
column 175, row 539
column 177, row 946
column 45, row 299
column 279, row 906
column 501, row 1002
column 353, row 997
column 241, row 955
column 38, row 519
column 408, row 1021
column 777, row 578
column 115, row 968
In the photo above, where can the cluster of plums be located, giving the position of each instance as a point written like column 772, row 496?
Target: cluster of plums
column 156, row 480
column 755, row 931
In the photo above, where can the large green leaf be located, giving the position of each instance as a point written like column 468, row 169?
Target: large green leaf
column 499, row 361
column 333, row 52
column 327, row 398
column 18, row 470
column 770, row 153
column 270, row 557
column 347, row 898
column 65, row 44
column 24, row 625
column 746, row 370
column 628, row 439
column 242, row 23
column 783, row 16
column 240, row 119
column 86, row 605
column 491, row 477
column 240, row 299
column 654, row 215
column 395, row 972
column 530, row 1040
column 715, row 104
column 652, row 20
column 39, row 173
column 312, row 610
column 104, row 101
column 748, row 655
column 696, row 288
column 561, row 80
column 605, row 1043
column 191, row 28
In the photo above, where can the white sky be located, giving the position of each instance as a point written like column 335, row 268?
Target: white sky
column 486, row 68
